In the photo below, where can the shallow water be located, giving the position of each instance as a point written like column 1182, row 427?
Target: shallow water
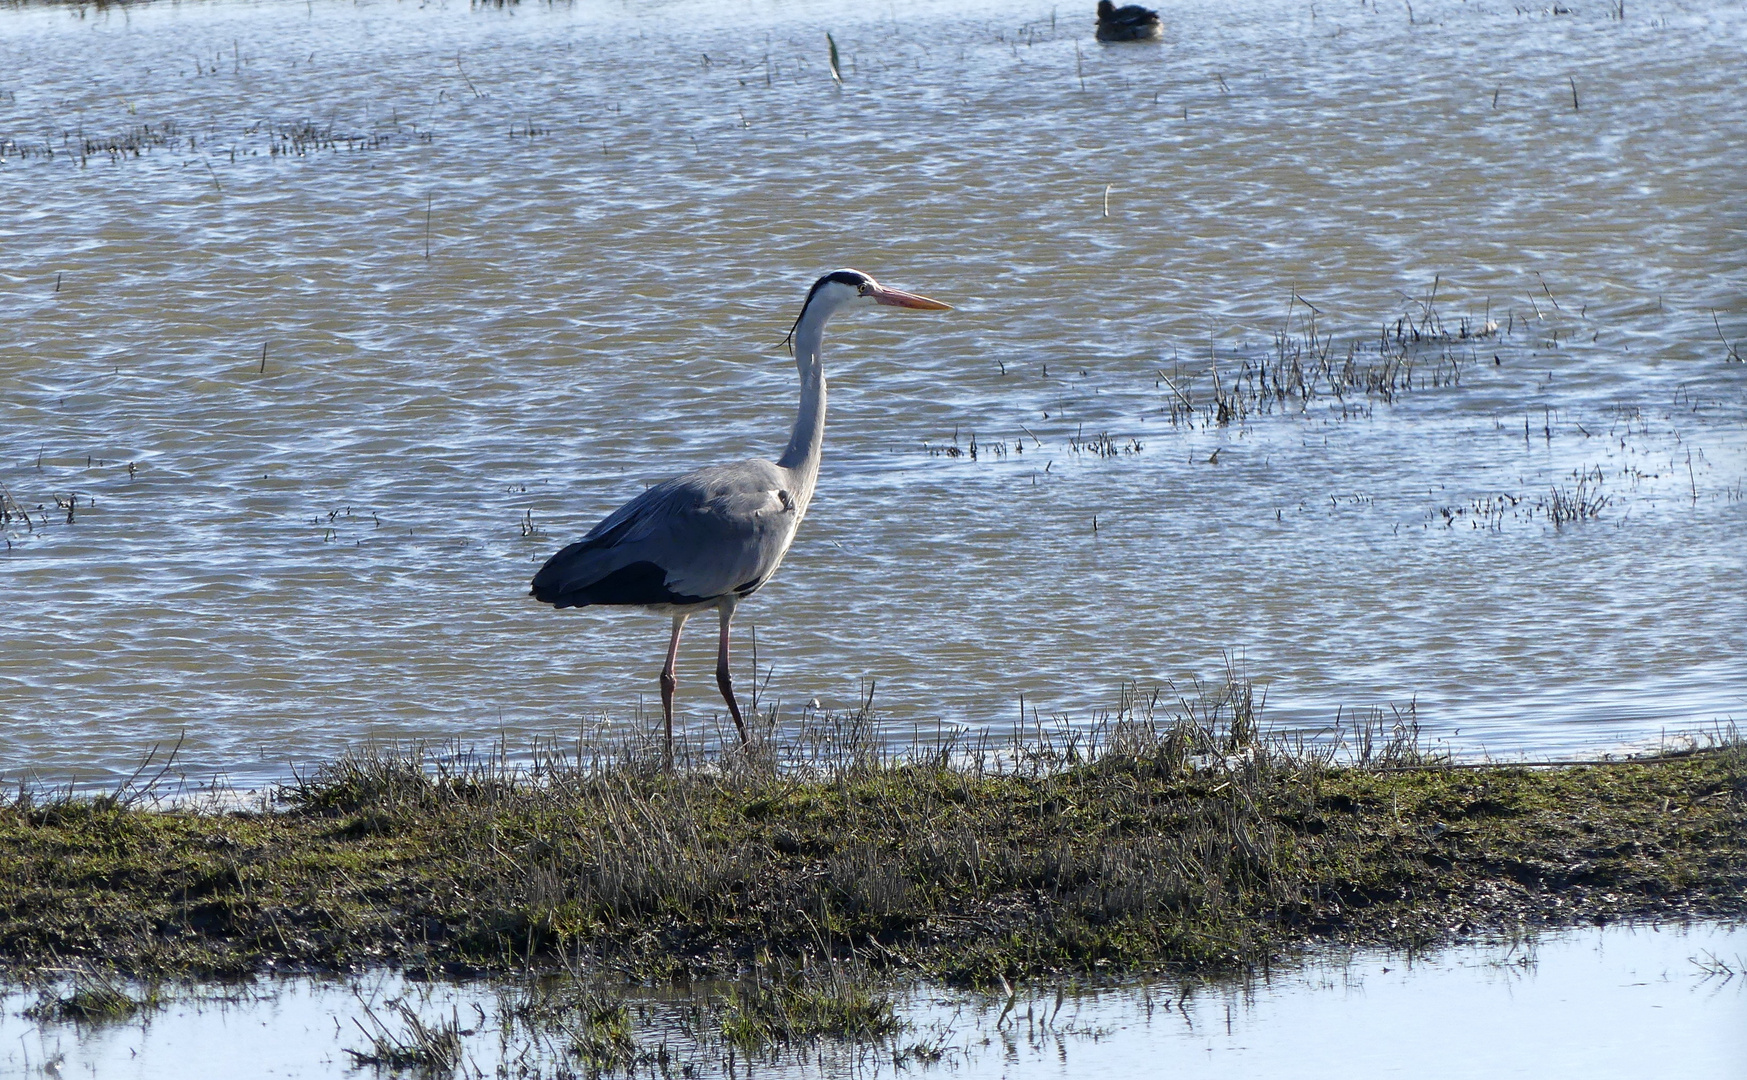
column 510, row 265
column 1620, row 1002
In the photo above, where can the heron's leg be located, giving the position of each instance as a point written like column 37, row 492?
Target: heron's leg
column 668, row 685
column 724, row 678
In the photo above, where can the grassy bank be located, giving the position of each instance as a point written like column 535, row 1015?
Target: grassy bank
column 1182, row 842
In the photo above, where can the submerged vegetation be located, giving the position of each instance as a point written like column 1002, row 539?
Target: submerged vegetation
column 301, row 137
column 796, row 1006
column 1178, row 838
column 92, row 995
column 420, row 1047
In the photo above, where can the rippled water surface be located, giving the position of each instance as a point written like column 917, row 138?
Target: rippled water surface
column 1622, row 1002
column 331, row 321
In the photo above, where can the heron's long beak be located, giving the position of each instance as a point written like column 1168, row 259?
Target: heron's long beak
column 900, row 298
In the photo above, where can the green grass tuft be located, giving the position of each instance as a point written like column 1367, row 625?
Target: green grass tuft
column 94, row 996
column 800, row 1005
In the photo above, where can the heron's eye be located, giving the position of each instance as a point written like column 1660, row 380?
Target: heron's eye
column 862, row 288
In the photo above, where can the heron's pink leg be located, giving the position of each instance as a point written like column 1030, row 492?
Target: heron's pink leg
column 668, row 685
column 724, row 679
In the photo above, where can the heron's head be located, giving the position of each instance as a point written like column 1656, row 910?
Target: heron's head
column 841, row 288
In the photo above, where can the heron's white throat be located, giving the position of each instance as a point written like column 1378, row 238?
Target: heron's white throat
column 801, row 456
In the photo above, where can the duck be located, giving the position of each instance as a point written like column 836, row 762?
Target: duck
column 1128, row 23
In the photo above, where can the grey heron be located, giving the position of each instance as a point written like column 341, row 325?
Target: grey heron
column 713, row 537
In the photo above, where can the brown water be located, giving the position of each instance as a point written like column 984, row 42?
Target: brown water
column 622, row 206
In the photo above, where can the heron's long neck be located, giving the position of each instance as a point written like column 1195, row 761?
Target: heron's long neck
column 801, row 456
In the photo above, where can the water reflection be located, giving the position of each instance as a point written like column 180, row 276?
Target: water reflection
column 326, row 323
column 1620, row 1002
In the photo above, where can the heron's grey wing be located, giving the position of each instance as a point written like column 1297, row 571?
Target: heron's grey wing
column 689, row 540
column 731, row 534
